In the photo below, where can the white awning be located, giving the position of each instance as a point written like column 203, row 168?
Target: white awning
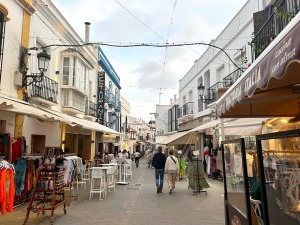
column 86, row 124
column 24, row 108
column 207, row 125
column 245, row 127
column 173, row 137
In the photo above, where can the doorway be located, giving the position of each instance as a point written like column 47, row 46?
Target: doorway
column 38, row 143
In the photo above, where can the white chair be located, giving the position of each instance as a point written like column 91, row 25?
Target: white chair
column 111, row 178
column 257, row 210
column 128, row 168
column 85, row 177
column 97, row 175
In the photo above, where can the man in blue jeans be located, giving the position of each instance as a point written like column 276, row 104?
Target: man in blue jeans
column 158, row 161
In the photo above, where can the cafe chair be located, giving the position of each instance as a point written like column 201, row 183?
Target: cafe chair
column 128, row 168
column 97, row 182
column 257, row 210
column 111, row 178
column 84, row 178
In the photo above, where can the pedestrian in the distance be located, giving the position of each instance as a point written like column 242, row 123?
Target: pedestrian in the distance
column 137, row 156
column 158, row 161
column 172, row 170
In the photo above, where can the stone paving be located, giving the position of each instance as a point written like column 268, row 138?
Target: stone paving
column 135, row 204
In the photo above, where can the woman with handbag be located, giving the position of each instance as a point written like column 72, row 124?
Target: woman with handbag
column 172, row 170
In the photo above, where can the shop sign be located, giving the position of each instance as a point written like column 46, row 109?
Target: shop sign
column 271, row 66
column 100, row 97
column 109, row 138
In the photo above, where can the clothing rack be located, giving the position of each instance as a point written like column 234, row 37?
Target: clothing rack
column 196, row 192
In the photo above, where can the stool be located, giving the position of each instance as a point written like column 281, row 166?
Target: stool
column 97, row 174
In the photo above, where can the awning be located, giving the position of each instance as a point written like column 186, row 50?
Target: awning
column 24, row 108
column 86, row 124
column 244, row 127
column 270, row 86
column 178, row 138
column 205, row 126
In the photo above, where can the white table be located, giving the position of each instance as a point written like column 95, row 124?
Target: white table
column 122, row 166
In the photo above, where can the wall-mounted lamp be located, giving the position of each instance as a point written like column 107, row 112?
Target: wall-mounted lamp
column 93, row 141
column 63, row 142
column 57, row 72
column 43, row 63
column 204, row 99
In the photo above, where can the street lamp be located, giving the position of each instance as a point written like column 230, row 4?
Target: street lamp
column 43, row 64
column 208, row 98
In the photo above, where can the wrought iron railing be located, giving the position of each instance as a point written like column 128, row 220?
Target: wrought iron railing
column 231, row 78
column 90, row 108
column 283, row 12
column 118, row 105
column 186, row 109
column 106, row 94
column 112, row 100
column 46, row 89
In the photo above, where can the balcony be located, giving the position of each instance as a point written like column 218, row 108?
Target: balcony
column 112, row 100
column 118, row 105
column 106, row 95
column 186, row 111
column 231, row 78
column 45, row 91
column 283, row 12
column 73, row 101
column 90, row 109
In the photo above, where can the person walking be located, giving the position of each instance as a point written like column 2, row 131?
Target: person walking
column 158, row 161
column 137, row 156
column 172, row 170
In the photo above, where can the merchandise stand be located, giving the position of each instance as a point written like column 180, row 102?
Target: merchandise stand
column 199, row 190
column 48, row 193
column 70, row 185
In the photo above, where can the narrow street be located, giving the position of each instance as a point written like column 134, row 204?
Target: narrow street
column 135, row 204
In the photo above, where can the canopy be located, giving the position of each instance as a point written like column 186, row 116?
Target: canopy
column 21, row 107
column 86, row 124
column 245, row 127
column 271, row 85
column 179, row 138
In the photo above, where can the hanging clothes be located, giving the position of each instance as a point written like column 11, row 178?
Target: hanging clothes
column 7, row 188
column 196, row 176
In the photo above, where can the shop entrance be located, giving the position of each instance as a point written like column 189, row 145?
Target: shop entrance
column 38, row 143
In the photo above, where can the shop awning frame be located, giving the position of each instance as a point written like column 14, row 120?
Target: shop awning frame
column 173, row 137
column 270, row 80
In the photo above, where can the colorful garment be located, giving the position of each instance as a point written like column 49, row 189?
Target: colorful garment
column 196, row 176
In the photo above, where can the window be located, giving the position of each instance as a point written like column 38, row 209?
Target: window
column 66, row 70
column 2, row 34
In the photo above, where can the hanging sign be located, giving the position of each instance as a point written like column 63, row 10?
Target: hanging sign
column 100, row 97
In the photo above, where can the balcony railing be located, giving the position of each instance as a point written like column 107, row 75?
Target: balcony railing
column 231, row 78
column 46, row 89
column 186, row 109
column 118, row 105
column 90, row 108
column 112, row 100
column 106, row 94
column 282, row 14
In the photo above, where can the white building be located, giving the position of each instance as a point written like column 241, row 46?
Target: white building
column 55, row 107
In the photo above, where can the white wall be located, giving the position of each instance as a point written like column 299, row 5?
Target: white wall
column 51, row 130
column 235, row 35
column 11, row 55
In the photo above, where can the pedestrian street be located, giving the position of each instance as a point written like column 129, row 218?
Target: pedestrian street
column 135, row 204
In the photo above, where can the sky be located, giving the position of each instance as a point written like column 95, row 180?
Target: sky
column 149, row 75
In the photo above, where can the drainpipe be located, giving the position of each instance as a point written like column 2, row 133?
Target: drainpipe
column 27, row 12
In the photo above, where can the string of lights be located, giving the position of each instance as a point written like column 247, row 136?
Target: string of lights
column 156, row 45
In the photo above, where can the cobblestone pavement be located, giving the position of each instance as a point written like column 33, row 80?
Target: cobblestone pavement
column 135, row 204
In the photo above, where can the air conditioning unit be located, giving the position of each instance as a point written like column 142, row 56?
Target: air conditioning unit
column 18, row 78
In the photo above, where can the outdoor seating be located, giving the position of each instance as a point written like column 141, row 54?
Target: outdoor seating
column 97, row 182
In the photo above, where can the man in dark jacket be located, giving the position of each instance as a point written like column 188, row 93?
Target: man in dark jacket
column 158, row 161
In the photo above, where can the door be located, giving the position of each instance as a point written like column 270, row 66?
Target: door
column 38, row 143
